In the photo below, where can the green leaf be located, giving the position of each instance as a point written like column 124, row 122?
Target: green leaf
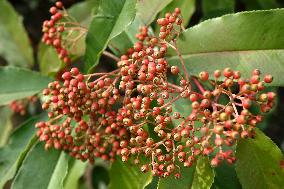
column 5, row 125
column 187, row 9
column 100, row 176
column 183, row 106
column 204, row 174
column 75, row 173
column 83, row 13
column 18, row 83
column 49, row 62
column 226, row 177
column 12, row 155
column 184, row 182
column 113, row 17
column 258, row 164
column 127, row 176
column 154, row 183
column 211, row 9
column 145, row 14
column 260, row 4
column 243, row 41
column 147, row 10
column 198, row 176
column 15, row 46
column 51, row 164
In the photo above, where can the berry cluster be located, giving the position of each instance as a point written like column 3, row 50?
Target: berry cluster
column 61, row 31
column 170, row 25
column 20, row 106
column 130, row 112
column 91, row 126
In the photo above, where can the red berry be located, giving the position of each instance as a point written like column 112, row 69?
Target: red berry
column 268, row 79
column 53, row 10
column 204, row 76
column 59, row 4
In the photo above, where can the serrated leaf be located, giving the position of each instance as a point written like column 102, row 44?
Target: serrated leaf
column 75, row 173
column 127, row 176
column 212, row 9
column 18, row 83
column 15, row 46
column 258, row 163
column 52, row 164
column 198, row 176
column 12, row 155
column 113, row 17
column 187, row 8
column 243, row 41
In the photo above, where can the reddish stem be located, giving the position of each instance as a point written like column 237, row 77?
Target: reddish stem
column 198, row 84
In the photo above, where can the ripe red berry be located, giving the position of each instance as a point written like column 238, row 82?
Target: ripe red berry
column 268, row 79
column 59, row 4
column 204, row 76
column 53, row 10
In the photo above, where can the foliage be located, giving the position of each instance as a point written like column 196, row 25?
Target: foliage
column 103, row 31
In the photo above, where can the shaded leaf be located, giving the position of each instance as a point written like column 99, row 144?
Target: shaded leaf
column 211, row 9
column 52, row 164
column 260, row 4
column 15, row 46
column 5, row 125
column 126, row 175
column 198, row 176
column 258, row 164
column 100, row 177
column 12, row 155
column 18, row 83
column 243, row 41
column 75, row 173
column 184, row 182
column 49, row 62
column 83, row 13
column 226, row 177
column 153, row 184
column 113, row 17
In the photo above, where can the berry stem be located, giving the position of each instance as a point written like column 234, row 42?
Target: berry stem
column 110, row 55
column 198, row 84
column 181, row 61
